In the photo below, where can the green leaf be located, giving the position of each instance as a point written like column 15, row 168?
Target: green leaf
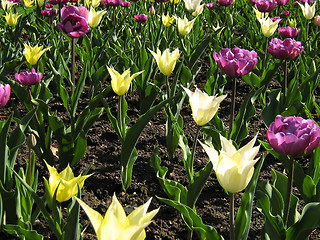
column 308, row 221
column 22, row 233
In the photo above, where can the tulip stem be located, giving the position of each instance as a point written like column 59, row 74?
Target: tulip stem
column 289, row 191
column 231, row 220
column 168, row 86
column 285, row 83
column 233, row 104
column 194, row 145
column 73, row 60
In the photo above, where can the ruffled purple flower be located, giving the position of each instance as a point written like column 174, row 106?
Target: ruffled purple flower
column 28, row 78
column 265, row 5
column 60, row 2
column 49, row 12
column 287, row 49
column 282, row 2
column 112, row 3
column 141, row 18
column 236, row 62
column 293, row 135
column 288, row 32
column 125, row 4
column 225, row 3
column 5, row 91
column 74, row 21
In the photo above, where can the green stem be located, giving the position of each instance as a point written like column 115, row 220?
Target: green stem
column 285, row 83
column 121, row 120
column 73, row 60
column 289, row 191
column 194, row 145
column 168, row 87
column 233, row 104
column 231, row 220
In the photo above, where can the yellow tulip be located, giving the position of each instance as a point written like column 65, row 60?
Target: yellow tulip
column 198, row 11
column 185, row 26
column 166, row 61
column 268, row 26
column 65, row 181
column 40, row 3
column 120, row 82
column 307, row 10
column 7, row 5
column 28, row 3
column 203, row 106
column 95, row 17
column 260, row 14
column 174, row 1
column 115, row 225
column 32, row 54
column 96, row 3
column 87, row 3
column 167, row 20
column 233, row 168
column 292, row 23
column 12, row 18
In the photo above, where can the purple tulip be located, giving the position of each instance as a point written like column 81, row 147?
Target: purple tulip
column 286, row 13
column 287, row 49
column 15, row 1
column 288, row 32
column 4, row 94
column 48, row 5
column 293, row 135
column 225, row 3
column 266, row 5
column 49, row 12
column 141, row 17
column 210, row 6
column 74, row 21
column 282, row 2
column 28, row 78
column 236, row 62
column 125, row 4
column 60, row 2
column 112, row 3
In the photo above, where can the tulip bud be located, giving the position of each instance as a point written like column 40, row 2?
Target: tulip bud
column 31, row 141
column 292, row 23
column 317, row 20
column 152, row 11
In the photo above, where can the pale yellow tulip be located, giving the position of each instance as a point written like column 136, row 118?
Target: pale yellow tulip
column 95, row 17
column 167, row 60
column 32, row 54
column 185, row 26
column 268, row 27
column 307, row 10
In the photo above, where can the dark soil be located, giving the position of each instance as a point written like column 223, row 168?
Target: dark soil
column 104, row 150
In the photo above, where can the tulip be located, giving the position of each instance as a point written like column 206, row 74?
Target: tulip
column 268, row 26
column 317, row 20
column 112, row 3
column 225, row 3
column 74, row 21
column 198, row 11
column 185, row 26
column 166, row 61
column 120, row 82
column 288, row 32
column 28, row 78
column 292, row 23
column 286, row 13
column 12, row 18
column 234, row 168
column 175, row 1
column 125, row 4
column 141, row 18
column 210, row 6
column 167, row 20
column 193, row 6
column 236, row 62
column 259, row 14
column 49, row 12
column 287, row 49
column 64, row 184
column 203, row 106
column 307, row 10
column 5, row 91
column 40, row 3
column 32, row 54
column 28, row 3
column 265, row 5
column 293, row 136
column 7, row 5
column 95, row 3
column 282, row 2
column 95, row 17
column 116, row 225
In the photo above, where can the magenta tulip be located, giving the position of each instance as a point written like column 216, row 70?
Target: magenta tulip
column 125, row 4
column 60, row 2
column 5, row 91
column 287, row 49
column 210, row 6
column 49, row 12
column 225, row 3
column 112, row 3
column 265, row 5
column 236, row 62
column 141, row 17
column 288, row 32
column 293, row 135
column 28, row 78
column 286, row 13
column 282, row 2
column 74, row 21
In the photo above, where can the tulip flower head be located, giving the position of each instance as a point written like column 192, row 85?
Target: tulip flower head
column 167, row 20
column 32, row 54
column 28, row 78
column 287, row 49
column 166, row 61
column 112, row 3
column 95, row 3
column 234, row 168
column 292, row 23
column 293, row 136
column 259, row 14
column 125, row 4
column 210, row 6
column 28, row 3
column 307, row 10
column 12, row 18
column 5, row 91
column 64, row 184
column 49, row 12
column 7, row 5
column 95, row 17
column 141, row 18
column 116, row 225
column 236, row 62
column 120, row 82
column 175, row 1
column 225, row 3
column 317, row 20
column 74, row 21
column 268, row 27
column 185, row 26
column 194, row 7
column 288, row 32
column 282, row 2
column 265, row 5
column 203, row 106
